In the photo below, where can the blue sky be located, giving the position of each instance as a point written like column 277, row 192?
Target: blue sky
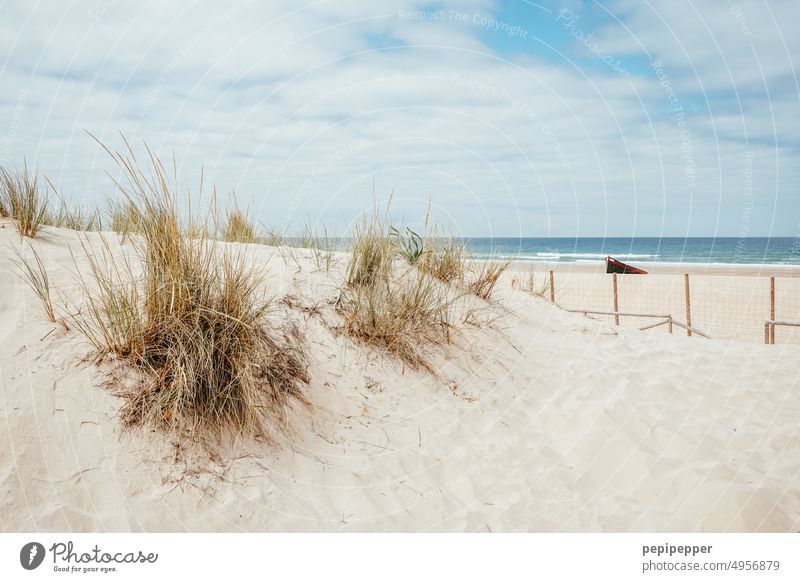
column 514, row 118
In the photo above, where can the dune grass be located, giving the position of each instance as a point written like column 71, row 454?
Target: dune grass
column 238, row 227
column 274, row 238
column 34, row 273
column 487, row 275
column 320, row 244
column 189, row 314
column 396, row 307
column 409, row 244
column 23, row 200
column 74, row 218
column 123, row 217
column 530, row 283
column 445, row 259
column 372, row 253
column 406, row 316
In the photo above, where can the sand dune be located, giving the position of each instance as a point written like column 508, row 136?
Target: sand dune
column 540, row 421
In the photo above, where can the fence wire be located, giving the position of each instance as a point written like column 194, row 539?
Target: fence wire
column 723, row 307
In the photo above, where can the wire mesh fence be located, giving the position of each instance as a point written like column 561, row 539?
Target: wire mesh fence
column 723, row 307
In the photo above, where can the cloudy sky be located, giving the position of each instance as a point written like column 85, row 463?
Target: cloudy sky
column 515, row 118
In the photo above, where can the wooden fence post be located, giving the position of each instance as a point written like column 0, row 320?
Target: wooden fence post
column 772, row 309
column 616, row 300
column 552, row 289
column 669, row 324
column 688, row 304
column 766, row 332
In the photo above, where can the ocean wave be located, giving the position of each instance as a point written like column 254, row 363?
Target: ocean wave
column 732, row 265
column 563, row 257
column 556, row 255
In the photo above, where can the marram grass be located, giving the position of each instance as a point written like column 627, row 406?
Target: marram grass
column 190, row 315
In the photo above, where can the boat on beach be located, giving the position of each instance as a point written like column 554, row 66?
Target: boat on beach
column 615, row 266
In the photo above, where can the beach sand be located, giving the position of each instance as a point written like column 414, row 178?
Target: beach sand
column 726, row 302
column 541, row 420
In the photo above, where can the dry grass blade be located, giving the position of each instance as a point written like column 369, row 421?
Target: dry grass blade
column 124, row 218
column 74, row 218
column 23, row 200
column 320, row 244
column 110, row 315
column 274, row 238
column 530, row 283
column 5, row 210
column 35, row 275
column 488, row 275
column 71, row 216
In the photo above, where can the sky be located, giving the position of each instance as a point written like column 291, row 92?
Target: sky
column 508, row 118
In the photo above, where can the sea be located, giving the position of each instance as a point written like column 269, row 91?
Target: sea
column 712, row 250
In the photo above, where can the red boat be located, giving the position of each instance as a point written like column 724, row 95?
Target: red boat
column 615, row 266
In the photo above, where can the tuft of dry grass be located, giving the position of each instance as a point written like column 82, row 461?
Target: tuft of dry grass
column 238, row 227
column 74, row 218
column 23, row 200
column 189, row 315
column 372, row 252
column 71, row 216
column 403, row 310
column 124, row 218
column 445, row 259
column 35, row 275
column 405, row 315
column 488, row 273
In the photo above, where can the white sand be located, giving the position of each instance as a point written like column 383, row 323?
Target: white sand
column 545, row 421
